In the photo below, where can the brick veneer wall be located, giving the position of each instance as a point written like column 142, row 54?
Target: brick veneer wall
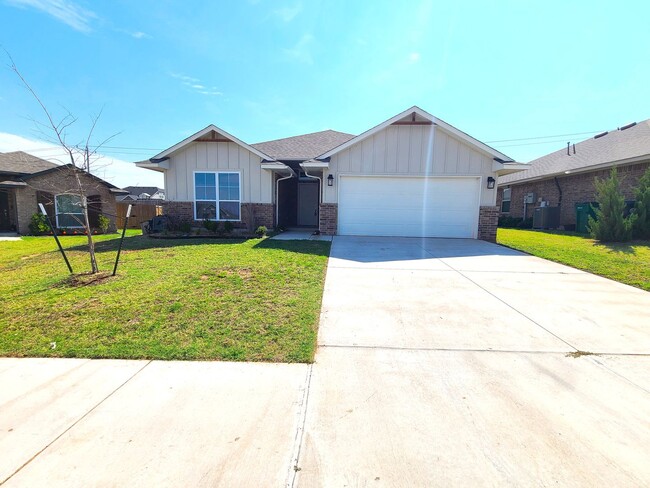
column 488, row 219
column 327, row 216
column 56, row 182
column 252, row 214
column 575, row 189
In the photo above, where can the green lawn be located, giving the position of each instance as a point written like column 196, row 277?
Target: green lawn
column 244, row 300
column 628, row 263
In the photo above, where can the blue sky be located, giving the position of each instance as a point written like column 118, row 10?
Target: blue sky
column 162, row 70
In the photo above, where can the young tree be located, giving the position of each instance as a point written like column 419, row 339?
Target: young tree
column 80, row 156
column 610, row 224
column 642, row 207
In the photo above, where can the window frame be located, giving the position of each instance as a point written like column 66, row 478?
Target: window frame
column 217, row 200
column 504, row 200
column 56, row 211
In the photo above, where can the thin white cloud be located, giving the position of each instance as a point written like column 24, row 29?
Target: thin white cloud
column 116, row 171
column 287, row 14
column 140, row 35
column 195, row 85
column 64, row 11
column 414, row 57
column 301, row 51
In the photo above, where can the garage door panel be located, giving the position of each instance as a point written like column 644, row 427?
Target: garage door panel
column 428, row 207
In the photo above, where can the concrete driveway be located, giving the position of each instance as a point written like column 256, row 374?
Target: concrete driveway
column 462, row 363
column 440, row 363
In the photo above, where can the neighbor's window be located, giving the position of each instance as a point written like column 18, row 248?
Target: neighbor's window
column 217, row 196
column 505, row 201
column 68, row 211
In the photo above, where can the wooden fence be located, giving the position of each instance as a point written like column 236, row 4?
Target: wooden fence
column 141, row 212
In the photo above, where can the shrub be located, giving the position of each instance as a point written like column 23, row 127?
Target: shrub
column 610, row 224
column 104, row 223
column 38, row 225
column 515, row 222
column 261, row 231
column 211, row 225
column 228, row 226
column 185, row 227
column 641, row 228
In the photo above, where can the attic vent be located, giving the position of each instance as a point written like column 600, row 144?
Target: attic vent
column 628, row 126
column 601, row 134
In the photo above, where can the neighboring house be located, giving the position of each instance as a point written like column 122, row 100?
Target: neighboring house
column 565, row 178
column 135, row 193
column 26, row 181
column 412, row 175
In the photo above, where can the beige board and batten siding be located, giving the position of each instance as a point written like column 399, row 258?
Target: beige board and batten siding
column 412, row 150
column 256, row 183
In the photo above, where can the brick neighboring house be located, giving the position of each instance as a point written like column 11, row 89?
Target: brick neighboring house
column 26, row 181
column 566, row 177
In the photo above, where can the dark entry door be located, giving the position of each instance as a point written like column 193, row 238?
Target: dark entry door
column 5, row 221
column 308, row 204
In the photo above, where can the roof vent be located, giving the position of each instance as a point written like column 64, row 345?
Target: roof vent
column 601, row 134
column 628, row 126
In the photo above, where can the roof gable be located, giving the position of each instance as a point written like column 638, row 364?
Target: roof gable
column 303, row 147
column 210, row 133
column 614, row 147
column 416, row 116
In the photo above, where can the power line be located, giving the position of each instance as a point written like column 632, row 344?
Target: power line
column 548, row 137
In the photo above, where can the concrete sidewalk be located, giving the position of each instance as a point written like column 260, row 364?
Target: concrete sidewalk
column 71, row 422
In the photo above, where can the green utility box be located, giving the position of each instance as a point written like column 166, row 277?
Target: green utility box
column 583, row 211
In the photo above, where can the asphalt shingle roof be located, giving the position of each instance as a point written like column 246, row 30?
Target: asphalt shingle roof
column 22, row 163
column 616, row 145
column 303, row 147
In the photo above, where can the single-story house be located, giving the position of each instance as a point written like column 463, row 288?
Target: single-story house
column 26, row 181
column 411, row 175
column 565, row 177
column 141, row 193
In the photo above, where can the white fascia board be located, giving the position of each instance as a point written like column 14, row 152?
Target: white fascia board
column 502, row 169
column 277, row 166
column 205, row 131
column 161, row 166
column 313, row 164
column 440, row 123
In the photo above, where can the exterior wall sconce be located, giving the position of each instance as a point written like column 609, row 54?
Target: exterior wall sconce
column 330, row 180
column 490, row 183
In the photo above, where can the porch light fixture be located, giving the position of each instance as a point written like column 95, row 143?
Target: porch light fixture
column 330, row 180
column 490, row 183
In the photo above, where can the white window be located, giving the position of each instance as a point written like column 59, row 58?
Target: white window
column 68, row 211
column 217, row 196
column 505, row 201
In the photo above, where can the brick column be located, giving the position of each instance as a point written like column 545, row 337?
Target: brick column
column 488, row 219
column 328, row 218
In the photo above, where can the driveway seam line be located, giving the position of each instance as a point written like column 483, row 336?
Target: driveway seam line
column 505, row 351
column 297, row 443
column 442, row 260
column 65, row 431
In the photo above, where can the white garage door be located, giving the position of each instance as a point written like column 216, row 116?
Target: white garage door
column 408, row 206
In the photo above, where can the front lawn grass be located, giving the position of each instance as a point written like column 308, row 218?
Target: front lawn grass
column 202, row 299
column 625, row 262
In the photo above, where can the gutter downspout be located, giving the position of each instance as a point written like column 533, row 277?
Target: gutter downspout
column 559, row 189
column 320, row 193
column 277, row 197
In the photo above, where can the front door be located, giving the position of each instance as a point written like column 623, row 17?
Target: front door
column 308, row 204
column 5, row 221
